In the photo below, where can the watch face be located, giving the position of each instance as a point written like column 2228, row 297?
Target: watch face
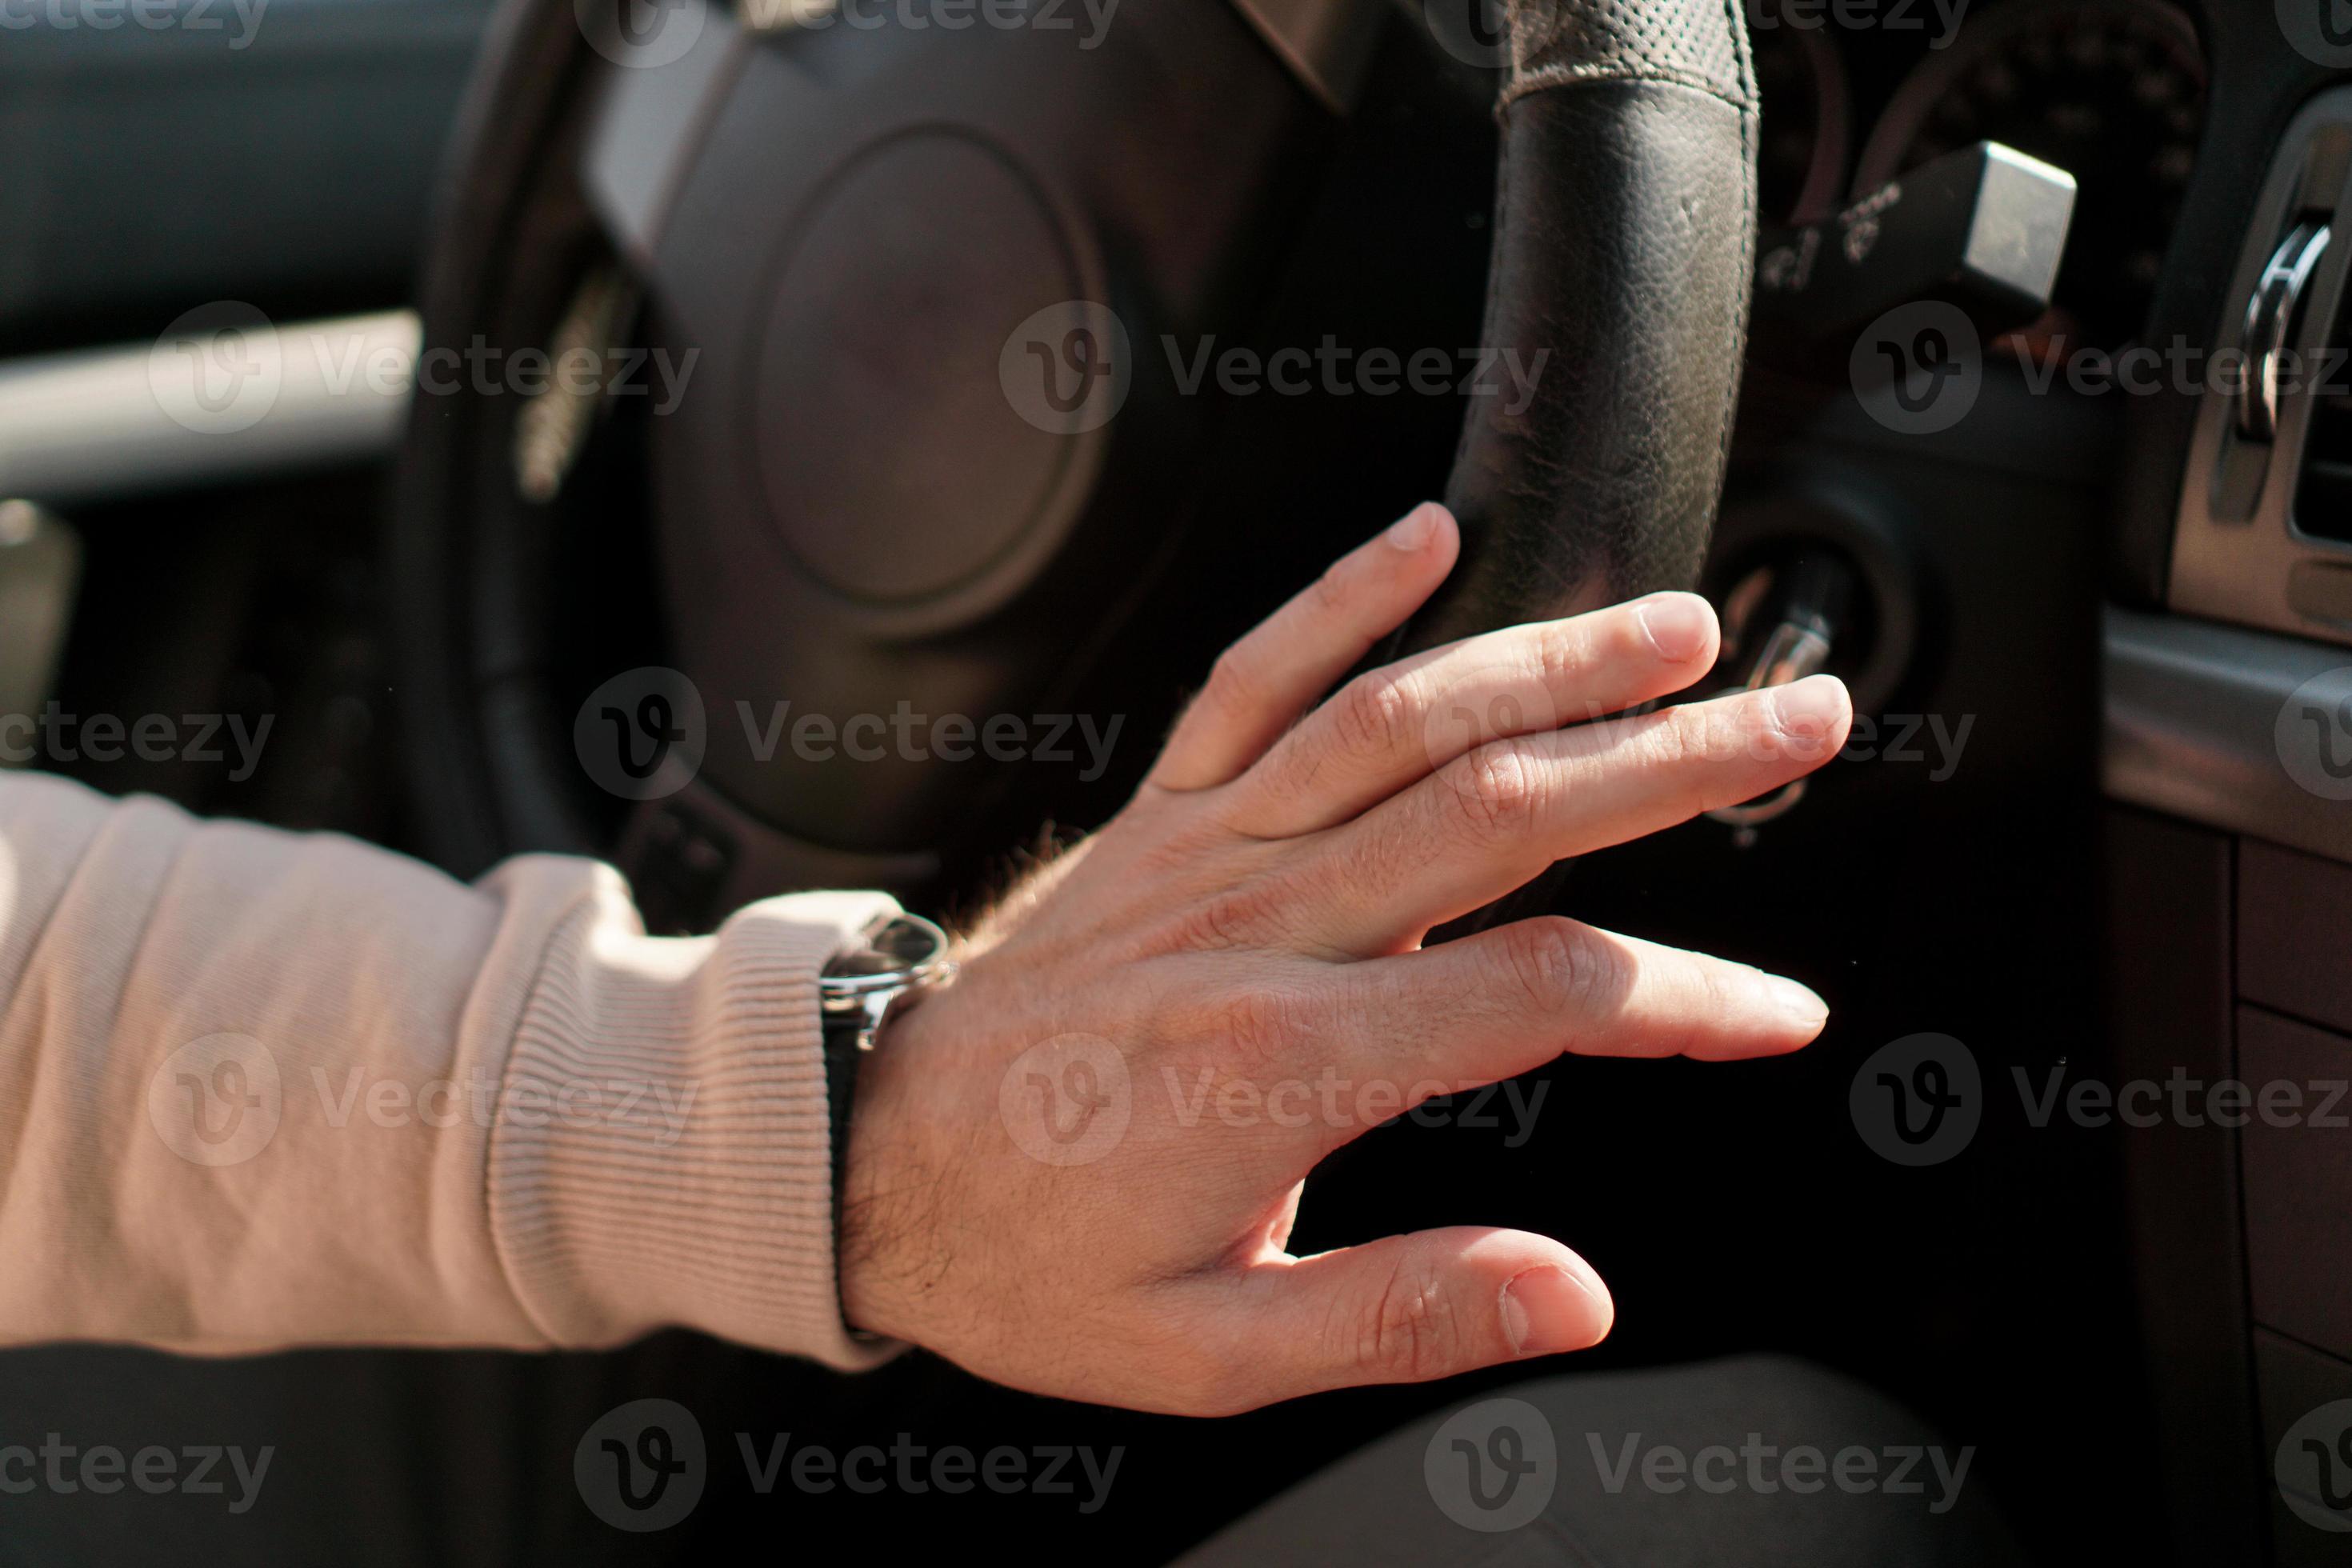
column 901, row 950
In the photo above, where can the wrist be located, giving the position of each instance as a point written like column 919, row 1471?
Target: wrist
column 885, row 1259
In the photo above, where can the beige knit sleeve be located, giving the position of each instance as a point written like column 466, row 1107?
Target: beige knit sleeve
column 260, row 1089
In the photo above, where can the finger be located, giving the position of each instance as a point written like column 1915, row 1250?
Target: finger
column 1318, row 1063
column 1508, row 1000
column 1491, row 819
column 1389, row 728
column 1409, row 1309
column 1261, row 684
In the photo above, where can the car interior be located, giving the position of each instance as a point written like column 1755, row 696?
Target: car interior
column 2094, row 824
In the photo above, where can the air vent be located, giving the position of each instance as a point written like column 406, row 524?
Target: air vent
column 2264, row 532
column 2323, row 498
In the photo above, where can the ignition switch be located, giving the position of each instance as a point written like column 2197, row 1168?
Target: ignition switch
column 1784, row 622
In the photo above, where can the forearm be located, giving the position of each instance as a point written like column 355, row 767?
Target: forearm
column 261, row 1089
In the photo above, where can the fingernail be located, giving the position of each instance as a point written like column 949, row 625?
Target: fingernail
column 1677, row 625
column 1548, row 1310
column 1411, row 530
column 1810, row 707
column 1796, row 1003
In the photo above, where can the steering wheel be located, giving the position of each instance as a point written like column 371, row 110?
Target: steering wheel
column 915, row 278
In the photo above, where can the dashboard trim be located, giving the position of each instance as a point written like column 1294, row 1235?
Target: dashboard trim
column 89, row 427
column 2190, row 722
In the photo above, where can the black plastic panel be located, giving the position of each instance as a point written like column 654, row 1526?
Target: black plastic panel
column 2294, row 940
column 2298, row 1178
column 153, row 170
column 2296, row 1379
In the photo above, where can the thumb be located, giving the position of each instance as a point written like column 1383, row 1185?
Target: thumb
column 1407, row 1309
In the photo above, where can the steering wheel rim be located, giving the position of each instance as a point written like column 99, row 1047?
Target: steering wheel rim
column 1620, row 267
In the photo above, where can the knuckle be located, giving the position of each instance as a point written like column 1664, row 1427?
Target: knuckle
column 1682, row 739
column 1334, row 591
column 1263, row 1024
column 1563, row 657
column 1225, row 919
column 1232, row 685
column 1411, row 1331
column 1560, row 967
column 1502, row 789
column 1373, row 714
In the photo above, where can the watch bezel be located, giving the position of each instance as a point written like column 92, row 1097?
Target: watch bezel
column 924, row 960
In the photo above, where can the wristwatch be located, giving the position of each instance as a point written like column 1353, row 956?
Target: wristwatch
column 896, row 956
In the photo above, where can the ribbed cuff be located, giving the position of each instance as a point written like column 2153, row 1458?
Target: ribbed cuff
column 687, row 1179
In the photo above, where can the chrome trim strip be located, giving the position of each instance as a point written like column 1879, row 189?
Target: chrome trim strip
column 2192, row 727
column 101, row 423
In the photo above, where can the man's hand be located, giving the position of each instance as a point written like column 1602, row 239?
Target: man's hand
column 1076, row 1169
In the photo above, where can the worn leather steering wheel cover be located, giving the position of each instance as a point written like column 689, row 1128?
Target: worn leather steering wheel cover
column 1623, row 254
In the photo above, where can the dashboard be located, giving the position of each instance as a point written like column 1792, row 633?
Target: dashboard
column 2113, row 91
